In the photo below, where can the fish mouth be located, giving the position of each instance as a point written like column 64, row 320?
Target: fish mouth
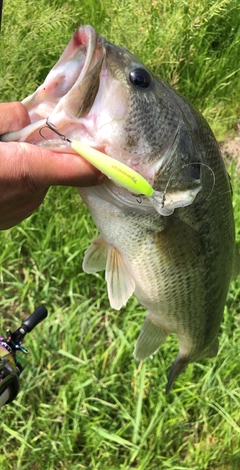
column 68, row 91
column 80, row 66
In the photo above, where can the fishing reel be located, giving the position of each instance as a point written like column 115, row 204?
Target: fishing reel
column 10, row 368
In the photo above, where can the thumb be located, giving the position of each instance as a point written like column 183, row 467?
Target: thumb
column 14, row 116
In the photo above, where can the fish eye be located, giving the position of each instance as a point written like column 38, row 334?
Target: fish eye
column 140, row 78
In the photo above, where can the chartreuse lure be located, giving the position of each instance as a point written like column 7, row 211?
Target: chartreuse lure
column 115, row 170
column 164, row 202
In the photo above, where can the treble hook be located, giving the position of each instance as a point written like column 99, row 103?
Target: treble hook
column 164, row 197
column 54, row 129
column 138, row 198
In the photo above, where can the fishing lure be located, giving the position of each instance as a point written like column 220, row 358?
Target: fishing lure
column 121, row 174
column 116, row 171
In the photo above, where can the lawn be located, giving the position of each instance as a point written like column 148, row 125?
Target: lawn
column 85, row 402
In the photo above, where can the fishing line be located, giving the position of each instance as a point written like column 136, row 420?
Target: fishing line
column 220, row 194
column 186, row 165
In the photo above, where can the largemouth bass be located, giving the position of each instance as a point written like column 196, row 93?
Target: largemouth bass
column 178, row 263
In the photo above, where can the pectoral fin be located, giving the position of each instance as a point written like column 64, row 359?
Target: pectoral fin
column 120, row 282
column 95, row 258
column 150, row 339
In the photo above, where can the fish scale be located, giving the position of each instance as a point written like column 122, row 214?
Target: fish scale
column 176, row 252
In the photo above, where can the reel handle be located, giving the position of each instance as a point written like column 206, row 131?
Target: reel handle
column 39, row 314
column 10, row 368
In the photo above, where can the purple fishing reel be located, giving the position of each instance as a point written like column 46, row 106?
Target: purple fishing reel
column 10, row 368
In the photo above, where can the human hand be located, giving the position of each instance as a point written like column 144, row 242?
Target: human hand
column 27, row 170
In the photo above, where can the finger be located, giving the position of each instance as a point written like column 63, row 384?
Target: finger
column 73, row 170
column 13, row 116
column 10, row 222
column 41, row 168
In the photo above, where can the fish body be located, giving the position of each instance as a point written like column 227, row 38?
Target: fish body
column 178, row 263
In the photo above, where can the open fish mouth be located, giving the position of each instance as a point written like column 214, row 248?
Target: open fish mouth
column 68, row 91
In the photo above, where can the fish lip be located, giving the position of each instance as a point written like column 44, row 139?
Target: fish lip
column 85, row 42
column 87, row 36
column 84, row 89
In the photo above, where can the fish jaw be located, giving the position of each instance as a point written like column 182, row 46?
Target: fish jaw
column 68, row 91
column 78, row 97
column 78, row 59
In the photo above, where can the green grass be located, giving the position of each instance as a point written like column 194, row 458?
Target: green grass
column 84, row 401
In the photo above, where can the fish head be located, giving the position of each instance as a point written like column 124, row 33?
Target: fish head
column 100, row 94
